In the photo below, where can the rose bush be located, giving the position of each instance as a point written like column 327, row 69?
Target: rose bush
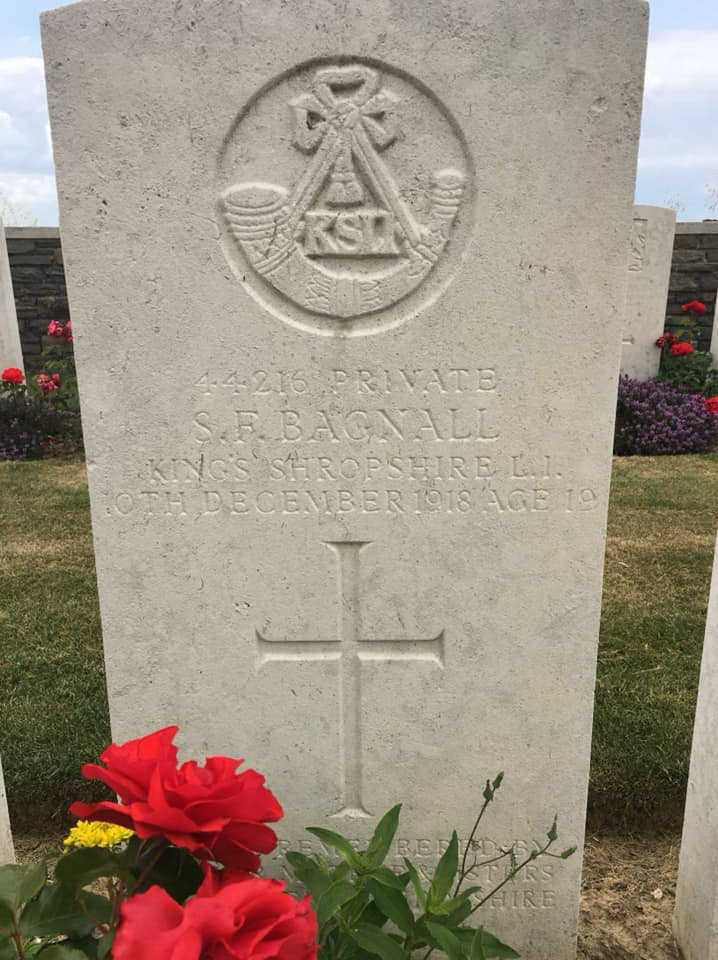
column 177, row 854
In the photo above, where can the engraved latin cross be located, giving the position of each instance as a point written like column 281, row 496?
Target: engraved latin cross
column 350, row 649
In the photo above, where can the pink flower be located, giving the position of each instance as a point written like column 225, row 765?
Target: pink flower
column 48, row 382
column 67, row 332
column 55, row 329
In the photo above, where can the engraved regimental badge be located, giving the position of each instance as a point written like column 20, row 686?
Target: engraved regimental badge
column 368, row 209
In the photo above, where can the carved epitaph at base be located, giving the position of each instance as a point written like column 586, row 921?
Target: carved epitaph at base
column 347, row 355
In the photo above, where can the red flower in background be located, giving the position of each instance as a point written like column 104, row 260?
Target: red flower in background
column 666, row 339
column 695, row 305
column 48, row 382
column 712, row 404
column 229, row 918
column 67, row 331
column 211, row 810
column 681, row 349
column 13, row 375
column 55, row 329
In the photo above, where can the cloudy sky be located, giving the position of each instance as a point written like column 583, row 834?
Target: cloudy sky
column 678, row 163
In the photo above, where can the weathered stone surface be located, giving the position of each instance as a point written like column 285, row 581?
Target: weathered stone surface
column 10, row 349
column 695, row 921
column 7, row 852
column 649, row 271
column 347, row 346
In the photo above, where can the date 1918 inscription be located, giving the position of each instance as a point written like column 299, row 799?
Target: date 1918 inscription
column 350, row 441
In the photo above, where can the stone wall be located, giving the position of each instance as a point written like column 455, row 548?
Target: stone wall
column 38, row 278
column 694, row 275
column 40, row 294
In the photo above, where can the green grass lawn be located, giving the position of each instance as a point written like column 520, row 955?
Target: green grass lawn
column 53, row 709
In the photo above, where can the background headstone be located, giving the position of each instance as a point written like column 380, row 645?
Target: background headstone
column 10, row 350
column 7, row 852
column 714, row 334
column 347, row 362
column 649, row 273
column 695, row 921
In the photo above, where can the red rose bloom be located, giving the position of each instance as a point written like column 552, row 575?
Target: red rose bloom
column 695, row 305
column 12, row 375
column 67, row 331
column 212, row 811
column 712, row 404
column 666, row 339
column 681, row 349
column 229, row 918
column 55, row 329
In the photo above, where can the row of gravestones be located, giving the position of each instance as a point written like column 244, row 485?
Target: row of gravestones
column 649, row 266
column 347, row 344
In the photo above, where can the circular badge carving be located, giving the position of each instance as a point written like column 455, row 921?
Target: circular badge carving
column 372, row 204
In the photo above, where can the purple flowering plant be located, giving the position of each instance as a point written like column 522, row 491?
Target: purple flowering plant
column 654, row 418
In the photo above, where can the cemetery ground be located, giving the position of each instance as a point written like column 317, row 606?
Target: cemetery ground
column 662, row 523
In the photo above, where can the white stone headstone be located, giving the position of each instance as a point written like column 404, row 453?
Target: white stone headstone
column 649, row 272
column 348, row 369
column 714, row 334
column 695, row 921
column 10, row 349
column 7, row 851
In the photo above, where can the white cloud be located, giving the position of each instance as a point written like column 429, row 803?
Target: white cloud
column 25, row 197
column 683, row 63
column 24, row 146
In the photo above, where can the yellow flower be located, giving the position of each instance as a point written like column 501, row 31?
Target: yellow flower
column 93, row 833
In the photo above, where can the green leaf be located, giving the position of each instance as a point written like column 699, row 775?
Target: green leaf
column 104, row 944
column 7, row 920
column 553, row 832
column 445, row 939
column 332, row 899
column 60, row 951
column 82, row 866
column 18, row 884
column 7, row 949
column 444, row 874
column 568, row 853
column 416, row 883
column 309, row 873
column 448, row 906
column 377, row 942
column 63, row 911
column 33, row 880
column 389, row 878
column 380, row 843
column 393, row 904
column 177, row 872
column 477, row 947
column 338, row 842
column 491, row 945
